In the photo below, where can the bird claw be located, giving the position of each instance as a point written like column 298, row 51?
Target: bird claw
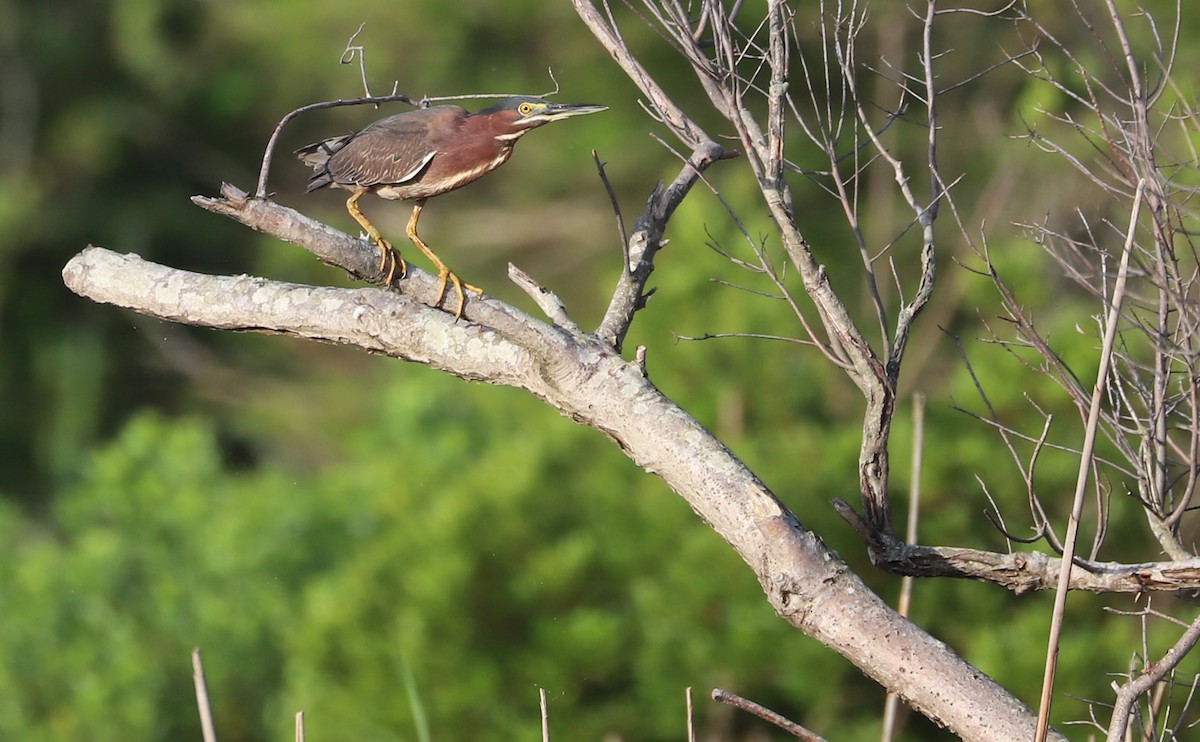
column 391, row 265
column 448, row 276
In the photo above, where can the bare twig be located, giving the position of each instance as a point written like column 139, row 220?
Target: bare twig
column 553, row 91
column 208, row 729
column 1085, row 465
column 616, row 206
column 766, row 714
column 351, row 53
column 359, row 52
column 892, row 704
column 1128, row 693
column 265, row 170
column 691, row 722
column 546, row 300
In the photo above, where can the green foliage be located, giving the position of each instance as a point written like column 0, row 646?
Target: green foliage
column 487, row 571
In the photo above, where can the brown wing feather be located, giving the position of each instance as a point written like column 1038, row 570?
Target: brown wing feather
column 316, row 156
column 390, row 151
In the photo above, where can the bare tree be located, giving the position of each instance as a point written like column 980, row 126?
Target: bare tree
column 1136, row 259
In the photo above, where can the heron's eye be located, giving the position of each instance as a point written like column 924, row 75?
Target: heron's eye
column 525, row 109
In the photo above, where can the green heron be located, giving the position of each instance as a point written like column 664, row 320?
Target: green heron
column 420, row 154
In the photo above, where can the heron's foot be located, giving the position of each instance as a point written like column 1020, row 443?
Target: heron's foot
column 445, row 275
column 391, row 265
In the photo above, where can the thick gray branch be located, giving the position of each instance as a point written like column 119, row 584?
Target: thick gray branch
column 586, row 380
column 377, row 321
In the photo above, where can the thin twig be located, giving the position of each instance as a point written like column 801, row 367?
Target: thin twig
column 1128, row 694
column 554, row 91
column 766, row 714
column 616, row 207
column 351, row 52
column 1085, row 466
column 751, row 335
column 265, row 169
column 891, row 706
column 208, row 729
column 691, row 724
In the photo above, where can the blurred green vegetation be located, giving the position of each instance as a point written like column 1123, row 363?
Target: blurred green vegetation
column 331, row 527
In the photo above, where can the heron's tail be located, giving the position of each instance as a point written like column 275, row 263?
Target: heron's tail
column 317, row 156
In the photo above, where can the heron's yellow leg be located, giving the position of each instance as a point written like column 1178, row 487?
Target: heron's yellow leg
column 444, row 273
column 390, row 261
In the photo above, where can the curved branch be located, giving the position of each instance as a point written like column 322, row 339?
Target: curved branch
column 584, row 379
column 264, row 170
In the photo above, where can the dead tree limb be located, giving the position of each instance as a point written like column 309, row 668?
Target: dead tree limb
column 585, row 379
